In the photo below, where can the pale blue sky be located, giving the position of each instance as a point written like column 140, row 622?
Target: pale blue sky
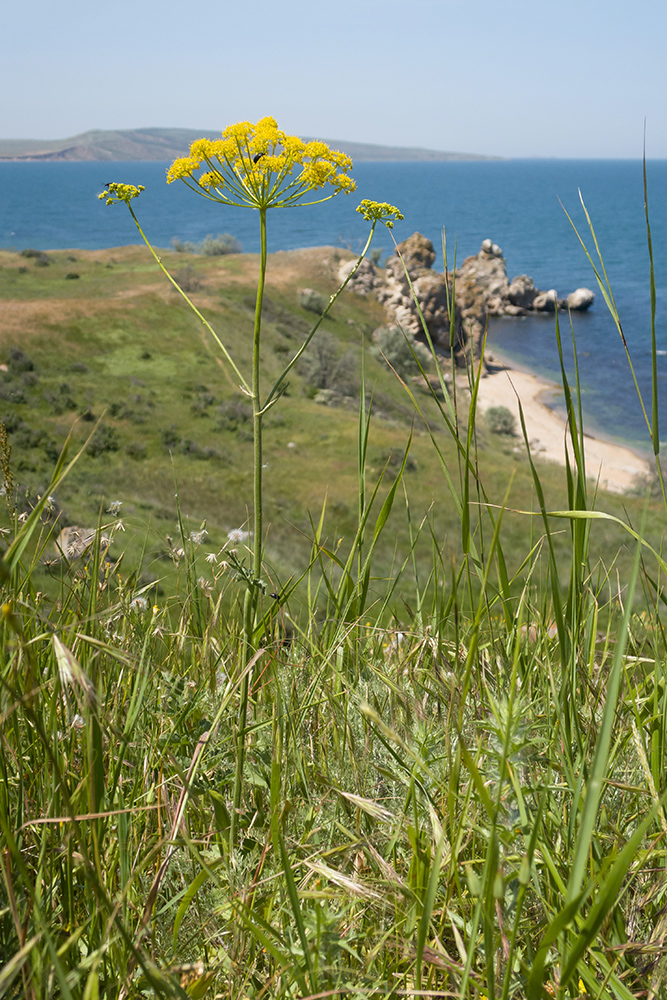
column 510, row 78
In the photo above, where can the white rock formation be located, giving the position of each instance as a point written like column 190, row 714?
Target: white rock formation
column 580, row 299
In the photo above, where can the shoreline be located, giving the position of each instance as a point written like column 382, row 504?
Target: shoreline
column 614, row 466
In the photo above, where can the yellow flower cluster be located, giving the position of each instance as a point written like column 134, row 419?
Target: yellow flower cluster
column 262, row 167
column 379, row 211
column 116, row 193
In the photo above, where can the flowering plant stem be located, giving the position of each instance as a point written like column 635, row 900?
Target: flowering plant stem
column 253, row 166
column 251, row 597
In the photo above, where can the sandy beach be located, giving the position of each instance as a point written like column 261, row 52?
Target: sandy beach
column 613, row 465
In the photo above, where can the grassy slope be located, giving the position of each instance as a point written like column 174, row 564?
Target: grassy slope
column 419, row 805
column 120, row 344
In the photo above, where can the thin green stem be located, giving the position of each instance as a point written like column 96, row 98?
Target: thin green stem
column 252, row 593
column 257, row 406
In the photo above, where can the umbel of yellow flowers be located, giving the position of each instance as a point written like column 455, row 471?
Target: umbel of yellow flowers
column 260, row 166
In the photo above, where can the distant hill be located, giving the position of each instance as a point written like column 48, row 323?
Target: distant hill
column 168, row 143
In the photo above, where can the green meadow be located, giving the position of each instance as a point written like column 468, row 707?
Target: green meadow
column 457, row 716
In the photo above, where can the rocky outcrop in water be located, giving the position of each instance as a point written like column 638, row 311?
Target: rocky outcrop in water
column 580, row 299
column 433, row 295
column 484, row 277
column 521, row 292
column 480, row 287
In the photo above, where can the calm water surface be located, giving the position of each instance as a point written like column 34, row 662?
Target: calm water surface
column 515, row 203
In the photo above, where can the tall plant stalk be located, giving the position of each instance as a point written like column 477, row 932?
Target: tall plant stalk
column 253, row 166
column 251, row 596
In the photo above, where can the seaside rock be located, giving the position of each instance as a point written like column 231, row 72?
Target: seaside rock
column 430, row 288
column 482, row 280
column 580, row 299
column 482, row 290
column 491, row 249
column 522, row 292
column 417, row 253
column 546, row 301
column 365, row 281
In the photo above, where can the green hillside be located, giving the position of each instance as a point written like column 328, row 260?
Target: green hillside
column 115, row 344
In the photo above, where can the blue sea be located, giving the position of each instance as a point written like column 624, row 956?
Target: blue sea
column 519, row 204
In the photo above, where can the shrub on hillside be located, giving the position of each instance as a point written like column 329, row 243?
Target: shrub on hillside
column 11, row 422
column 188, row 279
column 500, row 420
column 401, row 350
column 13, row 394
column 60, row 399
column 183, row 247
column 234, row 415
column 220, row 245
column 169, row 438
column 40, row 258
column 137, row 450
column 312, row 301
column 19, row 362
column 650, row 482
column 324, row 367
column 105, row 439
column 210, row 246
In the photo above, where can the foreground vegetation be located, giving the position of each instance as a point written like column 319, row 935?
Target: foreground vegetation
column 457, row 717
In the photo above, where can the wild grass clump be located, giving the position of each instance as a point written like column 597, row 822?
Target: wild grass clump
column 351, row 792
column 425, row 800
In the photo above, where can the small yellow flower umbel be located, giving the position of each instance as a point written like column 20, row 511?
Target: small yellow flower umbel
column 259, row 166
column 117, row 193
column 379, row 211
